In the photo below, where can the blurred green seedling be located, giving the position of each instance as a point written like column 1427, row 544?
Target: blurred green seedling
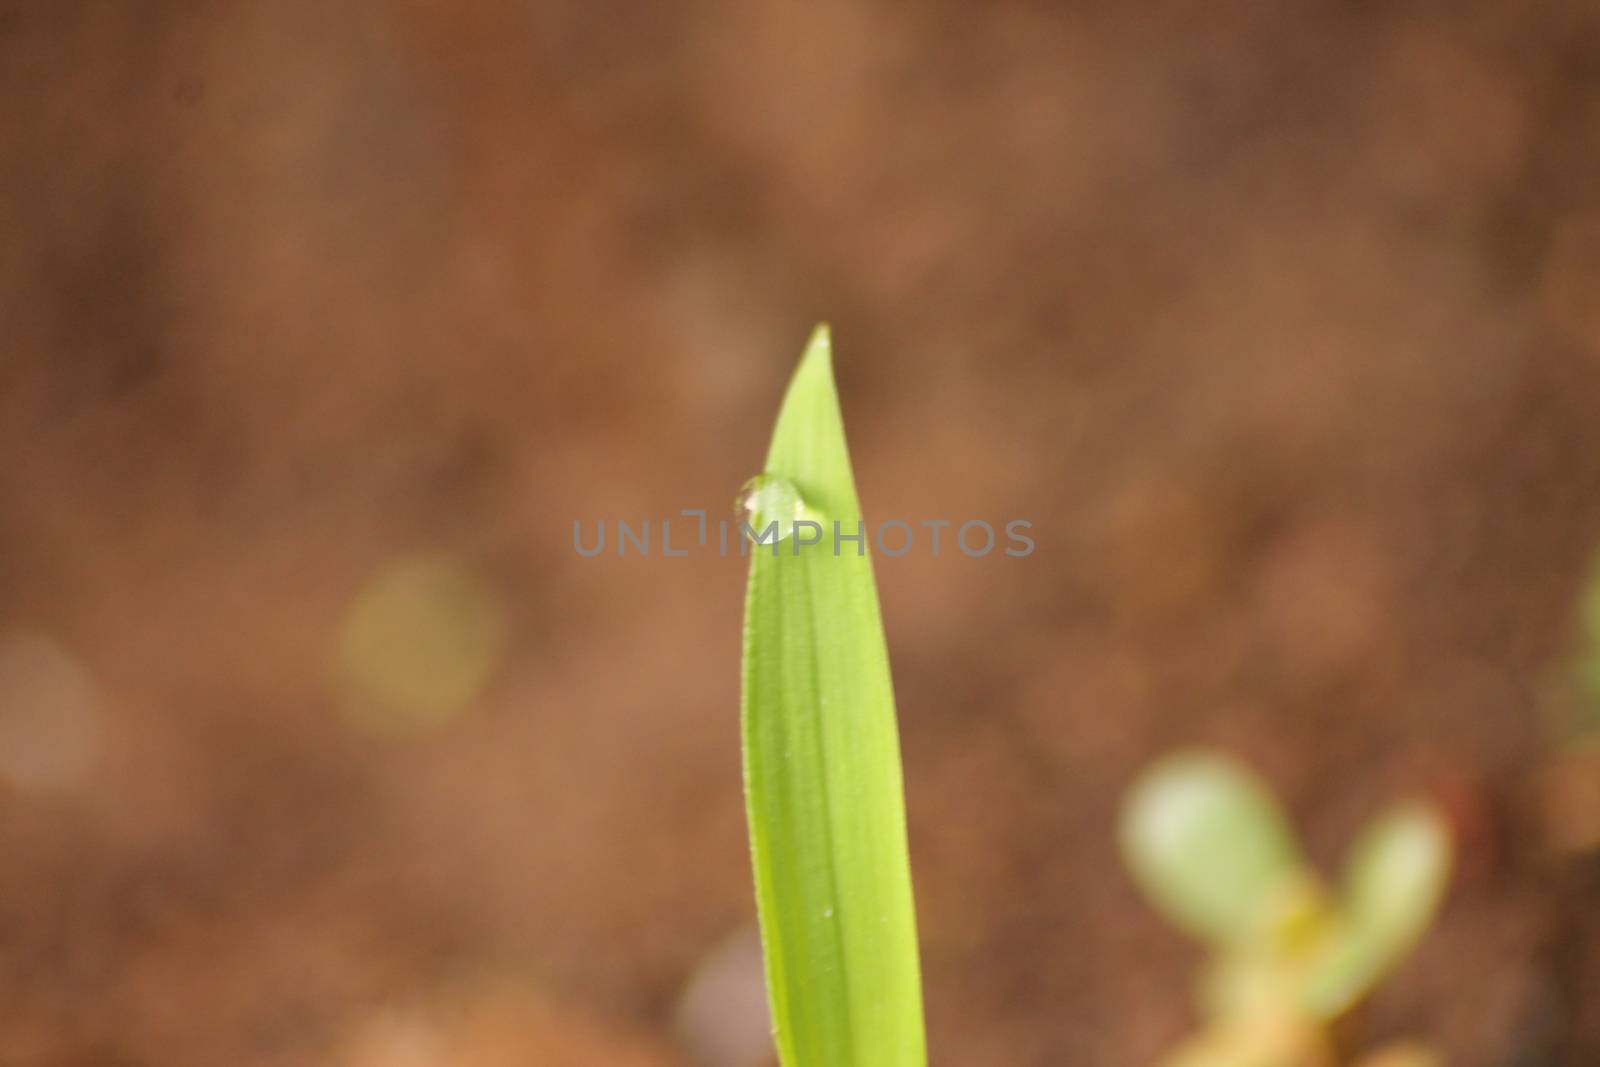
column 1569, row 779
column 1577, row 721
column 1211, row 848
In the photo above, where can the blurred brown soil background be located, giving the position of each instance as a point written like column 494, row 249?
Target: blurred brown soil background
column 1281, row 323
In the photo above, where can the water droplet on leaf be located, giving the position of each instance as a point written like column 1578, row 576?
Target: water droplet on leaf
column 768, row 508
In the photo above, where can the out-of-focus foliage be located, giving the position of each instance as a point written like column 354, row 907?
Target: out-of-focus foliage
column 1581, row 722
column 1213, row 851
column 1208, row 844
column 1569, row 780
column 418, row 644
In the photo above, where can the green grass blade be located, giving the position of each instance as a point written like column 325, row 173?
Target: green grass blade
column 822, row 766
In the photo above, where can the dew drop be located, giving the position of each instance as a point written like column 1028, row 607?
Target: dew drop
column 768, row 508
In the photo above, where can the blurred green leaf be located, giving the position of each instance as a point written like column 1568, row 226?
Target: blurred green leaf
column 1580, row 722
column 1575, row 702
column 822, row 766
column 418, row 644
column 1394, row 881
column 1589, row 609
column 1206, row 841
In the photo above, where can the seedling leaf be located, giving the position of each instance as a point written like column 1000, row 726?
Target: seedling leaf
column 1209, row 846
column 1394, row 882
